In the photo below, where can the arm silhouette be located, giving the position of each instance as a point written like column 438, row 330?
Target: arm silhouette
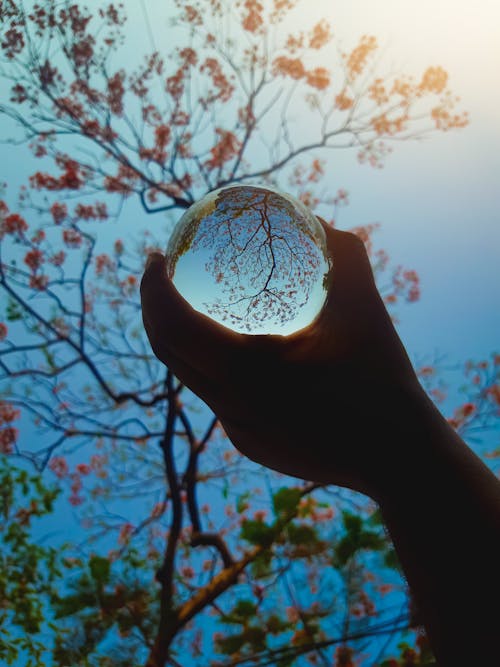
column 339, row 403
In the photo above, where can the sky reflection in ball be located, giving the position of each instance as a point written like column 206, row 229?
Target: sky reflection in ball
column 251, row 258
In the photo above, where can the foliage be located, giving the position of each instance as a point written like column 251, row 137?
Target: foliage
column 188, row 549
column 28, row 570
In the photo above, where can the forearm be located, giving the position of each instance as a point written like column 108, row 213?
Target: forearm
column 443, row 515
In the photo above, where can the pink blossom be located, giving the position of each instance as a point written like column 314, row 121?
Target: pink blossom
column 8, row 437
column 59, row 466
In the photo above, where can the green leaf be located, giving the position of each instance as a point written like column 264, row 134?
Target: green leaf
column 100, row 569
column 49, row 357
column 13, row 312
column 391, row 559
column 257, row 532
column 286, row 661
column 376, row 518
column 356, row 538
column 275, row 625
column 241, row 503
column 72, row 604
column 286, row 500
column 261, row 566
column 256, row 637
column 241, row 613
column 301, row 534
column 230, row 644
column 352, row 522
column 245, row 608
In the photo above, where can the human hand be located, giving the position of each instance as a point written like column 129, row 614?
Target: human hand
column 330, row 403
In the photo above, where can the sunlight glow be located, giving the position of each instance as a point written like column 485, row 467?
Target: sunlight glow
column 458, row 35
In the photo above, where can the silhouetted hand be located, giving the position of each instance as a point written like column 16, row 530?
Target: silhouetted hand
column 328, row 403
column 338, row 402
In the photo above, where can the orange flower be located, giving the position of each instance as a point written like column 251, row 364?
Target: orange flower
column 292, row 67
column 253, row 20
column 294, row 43
column 162, row 135
column 33, row 259
column 434, row 80
column 378, row 93
column 192, row 15
column 116, row 91
column 189, row 56
column 8, row 437
column 318, row 78
column 445, row 120
column 98, row 211
column 225, row 149
column 59, row 212
column 343, row 656
column 494, row 392
column 357, row 59
column 14, row 224
column 320, row 35
column 39, row 282
column 58, row 258
column 404, row 88
column 59, row 466
column 383, row 125
column 219, row 81
column 125, row 532
column 343, row 101
column 103, row 262
column 72, row 238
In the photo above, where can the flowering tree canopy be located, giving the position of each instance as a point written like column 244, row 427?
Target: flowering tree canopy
column 190, row 550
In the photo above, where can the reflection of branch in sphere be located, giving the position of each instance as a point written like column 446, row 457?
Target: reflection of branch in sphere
column 263, row 252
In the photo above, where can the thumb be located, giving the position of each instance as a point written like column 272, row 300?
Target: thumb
column 351, row 264
column 352, row 286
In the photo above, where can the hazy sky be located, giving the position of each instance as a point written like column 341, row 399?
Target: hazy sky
column 438, row 200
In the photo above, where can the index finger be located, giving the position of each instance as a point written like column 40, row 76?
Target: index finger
column 176, row 330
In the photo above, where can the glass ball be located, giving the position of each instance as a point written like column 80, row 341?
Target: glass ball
column 251, row 258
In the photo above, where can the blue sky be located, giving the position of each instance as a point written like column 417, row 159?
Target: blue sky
column 438, row 201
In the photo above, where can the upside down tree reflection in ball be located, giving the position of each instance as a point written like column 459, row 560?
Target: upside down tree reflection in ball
column 252, row 259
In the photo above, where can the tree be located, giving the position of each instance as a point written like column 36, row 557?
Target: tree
column 265, row 256
column 186, row 536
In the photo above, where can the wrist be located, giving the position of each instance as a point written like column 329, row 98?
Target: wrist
column 419, row 447
column 430, row 463
column 442, row 511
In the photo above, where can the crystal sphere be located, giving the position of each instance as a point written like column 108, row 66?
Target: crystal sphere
column 251, row 258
